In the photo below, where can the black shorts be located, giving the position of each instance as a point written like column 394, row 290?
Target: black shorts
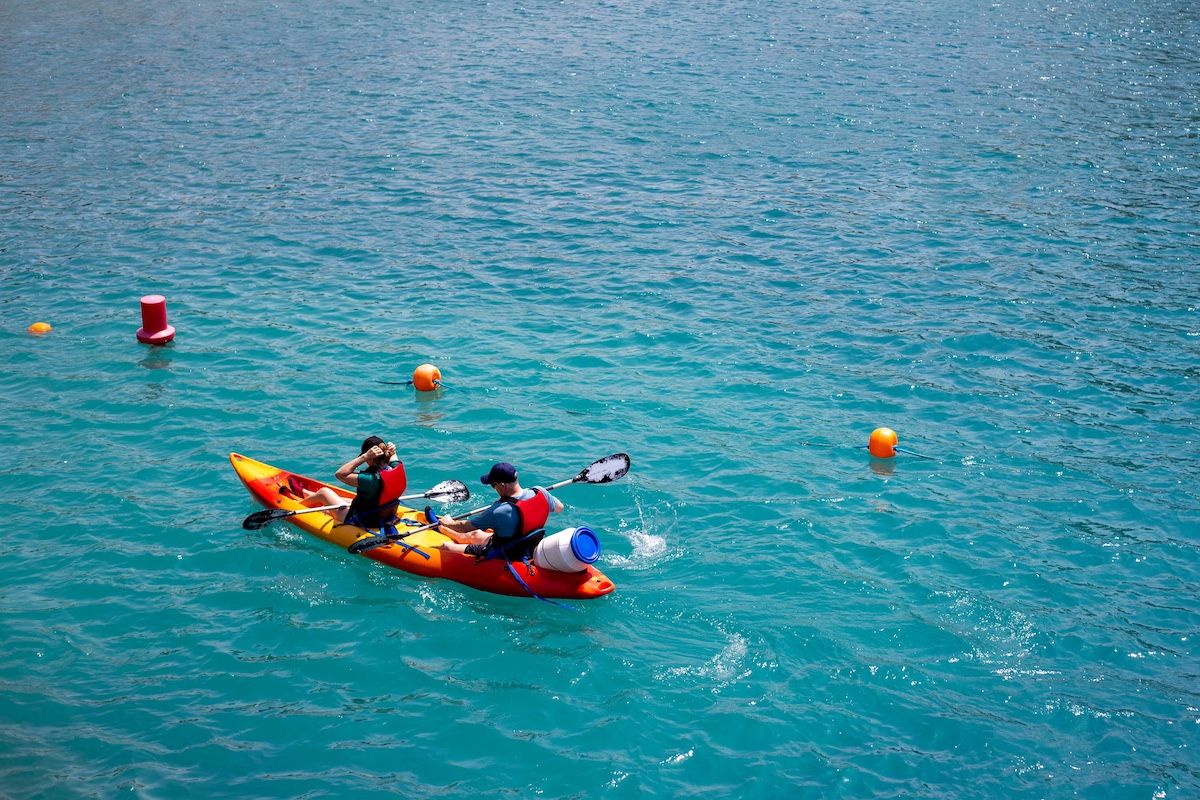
column 509, row 549
column 478, row 550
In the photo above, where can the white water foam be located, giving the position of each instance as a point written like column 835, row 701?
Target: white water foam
column 722, row 669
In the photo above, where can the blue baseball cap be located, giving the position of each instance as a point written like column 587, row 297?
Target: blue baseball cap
column 501, row 472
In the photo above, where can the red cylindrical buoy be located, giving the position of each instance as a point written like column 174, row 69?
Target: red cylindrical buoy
column 155, row 329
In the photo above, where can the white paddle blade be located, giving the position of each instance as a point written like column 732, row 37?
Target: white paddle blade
column 606, row 470
column 449, row 492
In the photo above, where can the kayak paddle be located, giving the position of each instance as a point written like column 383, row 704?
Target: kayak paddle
column 604, row 470
column 444, row 492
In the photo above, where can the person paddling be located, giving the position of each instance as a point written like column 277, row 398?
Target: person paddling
column 514, row 519
column 379, row 484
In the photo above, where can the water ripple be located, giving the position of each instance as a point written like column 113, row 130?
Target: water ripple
column 728, row 240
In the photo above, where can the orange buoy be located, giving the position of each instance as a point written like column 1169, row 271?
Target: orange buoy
column 426, row 378
column 883, row 443
column 38, row 328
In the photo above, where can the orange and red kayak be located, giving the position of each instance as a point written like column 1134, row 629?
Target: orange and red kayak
column 266, row 483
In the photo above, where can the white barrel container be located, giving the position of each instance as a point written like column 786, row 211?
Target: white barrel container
column 569, row 550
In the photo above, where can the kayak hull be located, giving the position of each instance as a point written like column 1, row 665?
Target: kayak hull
column 265, row 483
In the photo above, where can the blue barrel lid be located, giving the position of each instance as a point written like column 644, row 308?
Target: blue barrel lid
column 585, row 544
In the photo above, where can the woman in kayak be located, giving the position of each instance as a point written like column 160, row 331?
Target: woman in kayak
column 382, row 482
column 513, row 519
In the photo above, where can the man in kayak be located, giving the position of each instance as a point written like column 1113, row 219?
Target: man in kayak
column 507, row 527
column 379, row 484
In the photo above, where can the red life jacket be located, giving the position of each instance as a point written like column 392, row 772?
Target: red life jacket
column 532, row 512
column 394, row 483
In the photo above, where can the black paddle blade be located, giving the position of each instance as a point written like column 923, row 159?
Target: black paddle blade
column 605, row 470
column 260, row 519
column 449, row 492
column 370, row 543
column 382, row 539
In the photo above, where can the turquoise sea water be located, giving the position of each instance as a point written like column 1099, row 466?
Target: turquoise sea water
column 728, row 238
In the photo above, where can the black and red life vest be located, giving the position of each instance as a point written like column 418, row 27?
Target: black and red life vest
column 532, row 514
column 367, row 511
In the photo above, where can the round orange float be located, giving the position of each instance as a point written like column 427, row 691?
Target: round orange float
column 426, row 378
column 38, row 328
column 883, row 443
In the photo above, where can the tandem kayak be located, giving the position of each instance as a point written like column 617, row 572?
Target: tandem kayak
column 265, row 483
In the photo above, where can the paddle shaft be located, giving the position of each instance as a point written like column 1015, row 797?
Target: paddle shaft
column 475, row 511
column 295, row 512
column 470, row 513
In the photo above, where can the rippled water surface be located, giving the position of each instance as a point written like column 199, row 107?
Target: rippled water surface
column 729, row 239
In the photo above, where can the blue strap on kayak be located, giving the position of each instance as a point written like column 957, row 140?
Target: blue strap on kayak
column 498, row 551
column 388, row 534
column 513, row 571
column 411, row 548
column 393, row 535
